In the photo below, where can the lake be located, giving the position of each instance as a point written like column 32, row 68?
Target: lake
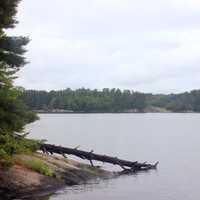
column 171, row 139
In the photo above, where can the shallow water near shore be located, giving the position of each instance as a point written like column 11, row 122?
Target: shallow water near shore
column 171, row 139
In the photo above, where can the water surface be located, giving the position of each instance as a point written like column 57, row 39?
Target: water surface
column 171, row 139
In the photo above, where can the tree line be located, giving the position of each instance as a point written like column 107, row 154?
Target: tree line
column 183, row 102
column 84, row 100
column 109, row 100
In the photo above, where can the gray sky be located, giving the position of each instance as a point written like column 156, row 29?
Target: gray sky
column 150, row 46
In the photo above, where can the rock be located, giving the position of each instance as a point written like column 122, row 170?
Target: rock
column 20, row 181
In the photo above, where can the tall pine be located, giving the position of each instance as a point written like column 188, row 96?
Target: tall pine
column 13, row 114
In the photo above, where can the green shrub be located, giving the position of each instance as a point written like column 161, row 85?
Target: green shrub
column 5, row 159
column 6, row 162
column 10, row 145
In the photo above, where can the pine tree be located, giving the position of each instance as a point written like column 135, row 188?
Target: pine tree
column 13, row 114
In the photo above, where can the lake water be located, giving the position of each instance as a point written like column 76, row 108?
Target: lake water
column 171, row 139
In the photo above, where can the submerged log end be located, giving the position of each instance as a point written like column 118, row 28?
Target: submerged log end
column 156, row 164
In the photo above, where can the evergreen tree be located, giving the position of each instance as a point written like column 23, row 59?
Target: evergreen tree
column 13, row 114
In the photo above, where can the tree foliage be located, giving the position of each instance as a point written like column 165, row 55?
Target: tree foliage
column 183, row 102
column 13, row 113
column 85, row 100
column 8, row 10
column 109, row 100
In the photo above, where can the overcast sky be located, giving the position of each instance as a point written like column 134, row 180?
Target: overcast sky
column 146, row 45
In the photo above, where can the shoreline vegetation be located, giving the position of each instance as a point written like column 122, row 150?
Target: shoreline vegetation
column 109, row 101
column 122, row 112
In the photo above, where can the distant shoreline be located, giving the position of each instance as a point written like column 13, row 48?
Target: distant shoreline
column 149, row 109
column 117, row 112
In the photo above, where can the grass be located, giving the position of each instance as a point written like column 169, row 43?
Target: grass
column 38, row 166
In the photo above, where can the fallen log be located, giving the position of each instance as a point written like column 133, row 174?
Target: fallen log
column 132, row 166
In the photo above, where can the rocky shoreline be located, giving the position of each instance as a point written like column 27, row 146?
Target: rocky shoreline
column 40, row 174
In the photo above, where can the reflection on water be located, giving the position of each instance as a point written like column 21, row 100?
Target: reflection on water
column 172, row 139
column 101, row 184
column 40, row 198
column 98, row 185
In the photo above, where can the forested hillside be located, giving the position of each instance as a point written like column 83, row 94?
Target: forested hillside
column 110, row 100
column 85, row 100
column 183, row 102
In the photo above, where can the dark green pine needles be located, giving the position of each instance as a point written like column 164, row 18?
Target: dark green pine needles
column 13, row 114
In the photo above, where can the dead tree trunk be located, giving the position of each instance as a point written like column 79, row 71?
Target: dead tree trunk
column 133, row 166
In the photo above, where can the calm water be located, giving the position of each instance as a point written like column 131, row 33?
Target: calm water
column 171, row 139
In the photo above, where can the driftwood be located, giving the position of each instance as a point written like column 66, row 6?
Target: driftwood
column 127, row 166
